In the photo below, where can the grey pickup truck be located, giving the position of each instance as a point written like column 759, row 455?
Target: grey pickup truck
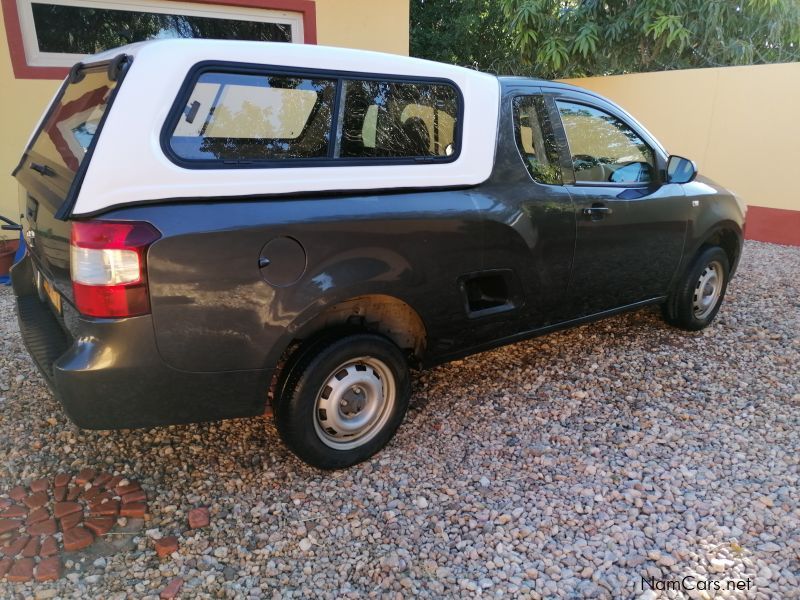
column 215, row 225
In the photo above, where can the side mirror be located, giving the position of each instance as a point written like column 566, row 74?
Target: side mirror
column 680, row 170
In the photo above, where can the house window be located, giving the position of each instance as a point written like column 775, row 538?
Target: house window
column 61, row 32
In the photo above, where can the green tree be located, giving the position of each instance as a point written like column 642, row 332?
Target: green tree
column 471, row 33
column 552, row 38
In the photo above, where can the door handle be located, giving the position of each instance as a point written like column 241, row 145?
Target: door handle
column 597, row 211
column 42, row 169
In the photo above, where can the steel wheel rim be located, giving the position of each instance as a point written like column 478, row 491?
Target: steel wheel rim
column 707, row 290
column 354, row 403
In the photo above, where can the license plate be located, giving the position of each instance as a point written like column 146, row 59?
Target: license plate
column 52, row 294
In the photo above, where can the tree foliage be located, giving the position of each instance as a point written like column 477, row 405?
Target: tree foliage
column 472, row 33
column 551, row 38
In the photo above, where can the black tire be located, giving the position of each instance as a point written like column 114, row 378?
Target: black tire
column 684, row 307
column 382, row 387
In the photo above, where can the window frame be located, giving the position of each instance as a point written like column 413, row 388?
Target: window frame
column 122, row 63
column 28, row 63
column 555, row 95
column 185, row 91
column 550, row 128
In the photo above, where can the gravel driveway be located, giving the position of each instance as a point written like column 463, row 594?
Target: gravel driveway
column 577, row 465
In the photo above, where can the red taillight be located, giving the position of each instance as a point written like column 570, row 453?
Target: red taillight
column 108, row 267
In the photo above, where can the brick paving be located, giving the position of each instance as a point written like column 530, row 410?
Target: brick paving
column 63, row 513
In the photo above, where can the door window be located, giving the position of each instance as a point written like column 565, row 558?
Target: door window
column 603, row 148
column 535, row 139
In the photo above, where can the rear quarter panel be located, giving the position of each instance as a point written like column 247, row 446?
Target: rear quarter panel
column 213, row 310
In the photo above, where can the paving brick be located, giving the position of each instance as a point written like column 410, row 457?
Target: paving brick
column 62, row 509
column 21, row 571
column 9, row 525
column 43, row 528
column 15, row 511
column 71, row 521
column 18, row 493
column 77, row 538
column 5, row 565
column 31, row 549
column 101, row 479
column 98, row 500
column 99, row 525
column 127, row 489
column 16, row 546
column 37, row 515
column 90, row 494
column 85, row 476
column 73, row 492
column 36, row 500
column 62, row 479
column 133, row 509
column 49, row 569
column 113, row 482
column 60, row 493
column 48, row 547
column 199, row 517
column 172, row 589
column 135, row 496
column 106, row 509
column 40, row 485
column 166, row 545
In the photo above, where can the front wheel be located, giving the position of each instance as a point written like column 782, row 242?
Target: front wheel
column 696, row 299
column 344, row 400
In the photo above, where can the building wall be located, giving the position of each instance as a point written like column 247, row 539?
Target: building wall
column 739, row 124
column 381, row 26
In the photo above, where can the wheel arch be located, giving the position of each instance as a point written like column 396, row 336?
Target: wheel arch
column 383, row 314
column 725, row 234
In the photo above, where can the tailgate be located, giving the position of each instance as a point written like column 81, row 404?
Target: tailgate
column 52, row 167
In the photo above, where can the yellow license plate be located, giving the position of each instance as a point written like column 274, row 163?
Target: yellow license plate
column 52, row 294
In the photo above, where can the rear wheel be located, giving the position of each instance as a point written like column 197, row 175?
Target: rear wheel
column 343, row 400
column 696, row 299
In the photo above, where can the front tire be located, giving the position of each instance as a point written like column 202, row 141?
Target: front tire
column 698, row 296
column 344, row 400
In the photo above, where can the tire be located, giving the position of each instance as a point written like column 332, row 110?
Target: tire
column 343, row 401
column 696, row 299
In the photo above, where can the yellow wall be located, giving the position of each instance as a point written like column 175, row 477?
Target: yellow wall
column 380, row 25
column 372, row 25
column 741, row 125
column 21, row 105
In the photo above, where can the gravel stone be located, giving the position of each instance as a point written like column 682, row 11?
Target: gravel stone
column 567, row 466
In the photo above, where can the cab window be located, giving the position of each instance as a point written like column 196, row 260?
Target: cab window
column 535, row 140
column 603, row 148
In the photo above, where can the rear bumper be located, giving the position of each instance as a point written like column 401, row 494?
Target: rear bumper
column 107, row 373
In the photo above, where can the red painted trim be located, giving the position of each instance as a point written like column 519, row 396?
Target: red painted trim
column 22, row 70
column 775, row 225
